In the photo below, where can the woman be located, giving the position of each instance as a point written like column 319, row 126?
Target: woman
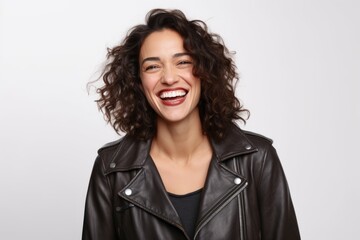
column 184, row 170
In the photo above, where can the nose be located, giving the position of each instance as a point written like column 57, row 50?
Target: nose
column 169, row 76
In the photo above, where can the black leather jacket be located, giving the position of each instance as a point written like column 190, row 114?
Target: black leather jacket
column 245, row 196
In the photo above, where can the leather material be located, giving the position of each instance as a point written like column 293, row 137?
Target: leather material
column 245, row 196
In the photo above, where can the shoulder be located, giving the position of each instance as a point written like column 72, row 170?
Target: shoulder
column 124, row 154
column 107, row 152
column 261, row 143
column 236, row 134
column 239, row 142
column 111, row 146
column 257, row 138
column 266, row 152
column 110, row 149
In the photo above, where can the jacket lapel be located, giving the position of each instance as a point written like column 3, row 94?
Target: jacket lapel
column 147, row 191
column 221, row 186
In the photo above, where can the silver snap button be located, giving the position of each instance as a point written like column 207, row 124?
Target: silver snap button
column 128, row 192
column 247, row 147
column 112, row 165
column 237, row 181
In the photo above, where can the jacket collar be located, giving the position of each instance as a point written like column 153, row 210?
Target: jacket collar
column 132, row 153
column 234, row 143
column 147, row 191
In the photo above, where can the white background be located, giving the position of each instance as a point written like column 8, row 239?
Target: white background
column 299, row 63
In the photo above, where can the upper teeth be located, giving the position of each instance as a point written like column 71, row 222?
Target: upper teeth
column 171, row 94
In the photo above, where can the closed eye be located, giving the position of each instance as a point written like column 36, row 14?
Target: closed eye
column 151, row 67
column 184, row 64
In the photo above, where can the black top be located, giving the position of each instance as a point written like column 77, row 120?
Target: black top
column 187, row 207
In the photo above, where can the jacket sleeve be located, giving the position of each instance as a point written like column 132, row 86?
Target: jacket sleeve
column 98, row 217
column 278, row 219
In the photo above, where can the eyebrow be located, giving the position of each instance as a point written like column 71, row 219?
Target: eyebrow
column 176, row 55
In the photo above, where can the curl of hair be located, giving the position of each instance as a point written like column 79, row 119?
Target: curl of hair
column 124, row 104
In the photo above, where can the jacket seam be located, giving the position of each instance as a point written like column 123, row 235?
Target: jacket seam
column 150, row 209
column 259, row 182
column 107, row 179
column 111, row 192
column 241, row 219
column 219, row 207
column 120, row 147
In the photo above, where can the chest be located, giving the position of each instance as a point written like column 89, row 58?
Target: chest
column 148, row 205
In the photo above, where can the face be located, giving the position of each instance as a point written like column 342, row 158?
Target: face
column 166, row 72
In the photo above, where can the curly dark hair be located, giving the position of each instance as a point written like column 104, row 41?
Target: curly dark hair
column 123, row 102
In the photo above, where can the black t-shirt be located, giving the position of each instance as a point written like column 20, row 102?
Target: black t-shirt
column 187, row 207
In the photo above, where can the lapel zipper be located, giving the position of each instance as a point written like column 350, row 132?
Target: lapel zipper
column 219, row 207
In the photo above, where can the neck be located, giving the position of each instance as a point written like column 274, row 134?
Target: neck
column 179, row 141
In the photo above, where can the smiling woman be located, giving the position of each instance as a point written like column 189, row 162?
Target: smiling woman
column 167, row 77
column 184, row 169
column 211, row 62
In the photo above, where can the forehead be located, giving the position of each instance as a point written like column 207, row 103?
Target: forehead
column 162, row 42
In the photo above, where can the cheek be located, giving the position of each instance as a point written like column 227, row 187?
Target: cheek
column 148, row 83
column 196, row 83
column 198, row 88
column 147, row 87
column 144, row 84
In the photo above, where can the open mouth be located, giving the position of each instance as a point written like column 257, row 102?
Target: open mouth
column 173, row 97
column 168, row 95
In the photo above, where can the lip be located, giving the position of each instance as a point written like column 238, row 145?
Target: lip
column 172, row 101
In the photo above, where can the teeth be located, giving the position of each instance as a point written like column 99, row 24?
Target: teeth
column 172, row 94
